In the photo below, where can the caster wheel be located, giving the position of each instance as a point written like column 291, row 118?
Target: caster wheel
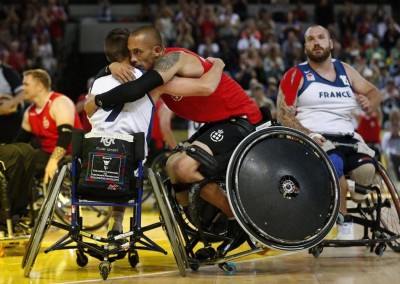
column 82, row 260
column 105, row 268
column 194, row 267
column 229, row 268
column 380, row 249
column 133, row 258
column 316, row 251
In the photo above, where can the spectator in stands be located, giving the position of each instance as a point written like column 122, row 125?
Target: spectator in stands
column 390, row 101
column 56, row 18
column 260, row 98
column 208, row 48
column 369, row 127
column 11, row 100
column 375, row 51
column 324, row 13
column 300, row 13
column 391, row 142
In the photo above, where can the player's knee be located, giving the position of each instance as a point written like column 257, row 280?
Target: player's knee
column 364, row 174
column 184, row 169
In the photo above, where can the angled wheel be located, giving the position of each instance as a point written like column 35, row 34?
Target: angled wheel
column 390, row 211
column 95, row 216
column 43, row 222
column 170, row 224
column 283, row 188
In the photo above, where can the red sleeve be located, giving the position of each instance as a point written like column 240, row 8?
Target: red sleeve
column 290, row 83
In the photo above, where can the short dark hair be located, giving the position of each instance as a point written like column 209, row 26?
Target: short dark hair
column 116, row 45
column 151, row 33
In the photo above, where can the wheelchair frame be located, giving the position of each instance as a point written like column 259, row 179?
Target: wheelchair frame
column 378, row 214
column 107, row 250
column 184, row 234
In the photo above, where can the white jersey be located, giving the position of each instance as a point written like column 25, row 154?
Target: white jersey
column 131, row 118
column 324, row 106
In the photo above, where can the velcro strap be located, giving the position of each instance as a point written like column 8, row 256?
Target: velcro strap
column 202, row 156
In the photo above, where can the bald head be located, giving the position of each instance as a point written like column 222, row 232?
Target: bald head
column 316, row 28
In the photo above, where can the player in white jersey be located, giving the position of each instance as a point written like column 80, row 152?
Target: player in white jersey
column 136, row 116
column 318, row 97
column 130, row 118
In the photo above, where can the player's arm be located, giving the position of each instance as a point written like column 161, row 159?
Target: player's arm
column 203, row 86
column 63, row 112
column 368, row 96
column 289, row 86
column 179, row 63
column 25, row 133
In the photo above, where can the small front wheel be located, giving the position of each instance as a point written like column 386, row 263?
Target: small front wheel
column 229, row 268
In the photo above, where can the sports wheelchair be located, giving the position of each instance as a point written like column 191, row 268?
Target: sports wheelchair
column 106, row 170
column 378, row 213
column 63, row 204
column 282, row 188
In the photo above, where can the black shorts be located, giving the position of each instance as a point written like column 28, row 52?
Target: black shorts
column 221, row 137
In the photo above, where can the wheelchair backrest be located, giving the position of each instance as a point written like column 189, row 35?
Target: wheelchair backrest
column 110, row 164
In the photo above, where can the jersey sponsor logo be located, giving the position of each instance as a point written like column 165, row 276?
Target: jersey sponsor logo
column 310, row 77
column 344, row 80
column 217, row 136
column 107, row 141
column 46, row 123
column 345, row 94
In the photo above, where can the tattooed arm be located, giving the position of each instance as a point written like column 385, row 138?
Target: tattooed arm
column 179, row 63
column 287, row 114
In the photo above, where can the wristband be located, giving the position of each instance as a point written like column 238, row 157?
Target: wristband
column 313, row 135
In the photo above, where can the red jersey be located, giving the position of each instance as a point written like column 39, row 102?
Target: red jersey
column 228, row 100
column 44, row 127
column 369, row 129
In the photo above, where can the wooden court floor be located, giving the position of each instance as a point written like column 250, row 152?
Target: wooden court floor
column 334, row 265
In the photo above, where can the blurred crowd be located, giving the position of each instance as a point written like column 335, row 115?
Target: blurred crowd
column 256, row 47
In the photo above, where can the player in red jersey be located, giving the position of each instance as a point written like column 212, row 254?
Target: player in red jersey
column 228, row 112
column 50, row 118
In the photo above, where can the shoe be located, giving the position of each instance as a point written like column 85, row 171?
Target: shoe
column 237, row 235
column 111, row 236
column 113, row 233
column 345, row 231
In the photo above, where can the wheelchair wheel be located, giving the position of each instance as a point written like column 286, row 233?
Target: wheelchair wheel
column 95, row 216
column 390, row 211
column 283, row 188
column 158, row 166
column 43, row 223
column 170, row 224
